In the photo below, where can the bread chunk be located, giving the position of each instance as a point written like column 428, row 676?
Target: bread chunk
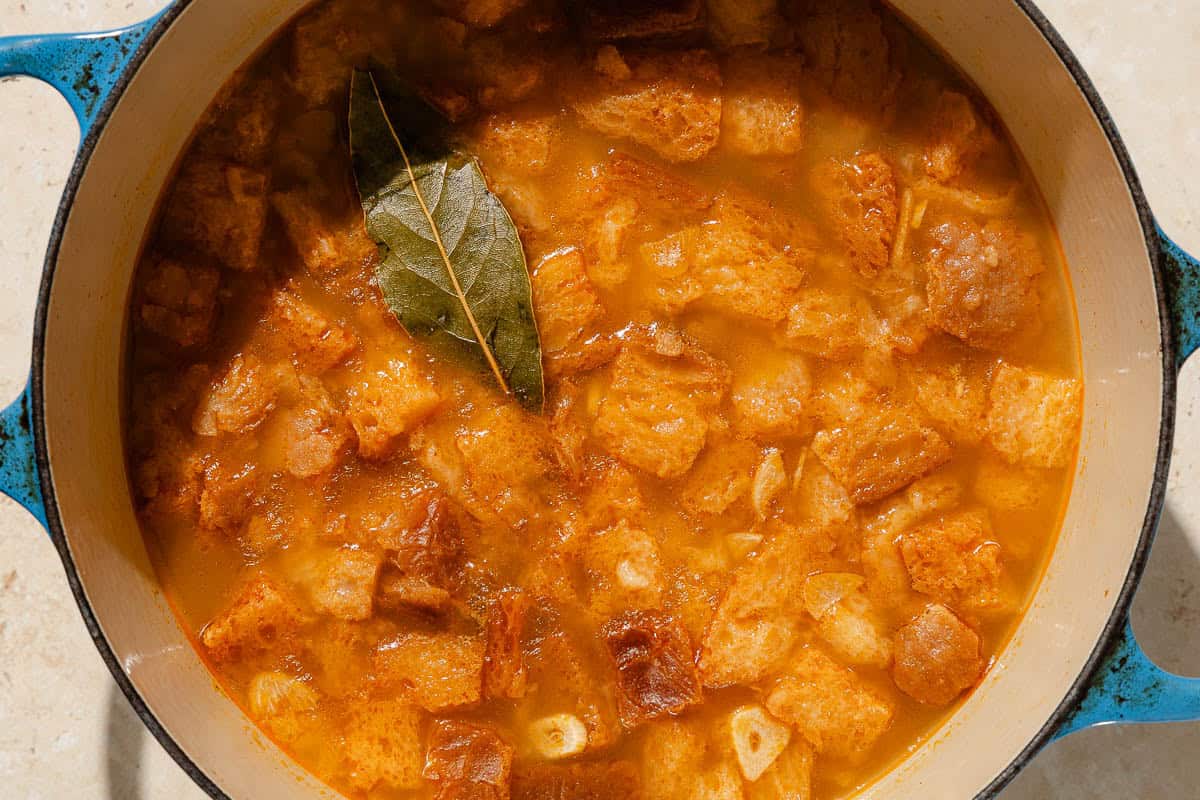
column 517, row 143
column 387, row 404
column 1006, row 487
column 314, row 342
column 435, row 671
column 507, row 456
column 881, row 451
column 241, row 398
column 847, row 619
column 381, row 746
column 228, row 488
column 567, row 308
column 670, row 102
column 624, row 570
column 732, row 263
column 244, row 119
column 423, row 555
column 1033, row 418
column 762, row 114
column 955, row 397
column 262, row 615
column 938, row 657
column 468, row 761
column 626, row 200
column 770, row 394
column 284, row 705
column 861, row 201
column 849, row 54
column 936, row 493
column 830, row 324
column 655, row 412
column 179, row 300
column 955, row 560
column 345, row 585
column 757, row 622
column 721, row 476
column 817, row 499
column 889, row 585
column 831, row 706
column 504, row 673
column 325, row 249
column 957, row 137
column 982, row 283
column 682, row 759
column 582, row 780
column 327, row 42
column 656, row 672
column 217, row 210
column 502, row 71
column 316, row 434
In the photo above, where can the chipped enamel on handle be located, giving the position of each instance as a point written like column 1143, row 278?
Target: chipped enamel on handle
column 84, row 68
column 1128, row 686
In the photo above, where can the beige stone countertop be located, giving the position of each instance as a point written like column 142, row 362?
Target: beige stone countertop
column 67, row 732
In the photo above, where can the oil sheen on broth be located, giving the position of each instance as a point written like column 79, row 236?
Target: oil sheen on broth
column 812, row 406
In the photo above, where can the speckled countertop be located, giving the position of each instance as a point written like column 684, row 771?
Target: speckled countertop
column 65, row 729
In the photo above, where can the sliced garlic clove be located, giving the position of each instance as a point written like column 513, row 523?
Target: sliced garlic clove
column 639, row 568
column 769, row 480
column 741, row 545
column 798, row 473
column 559, row 735
column 272, row 693
column 823, row 591
column 758, row 739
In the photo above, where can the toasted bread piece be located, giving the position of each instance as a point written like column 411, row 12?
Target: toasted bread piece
column 670, row 102
column 1033, row 418
column 938, row 657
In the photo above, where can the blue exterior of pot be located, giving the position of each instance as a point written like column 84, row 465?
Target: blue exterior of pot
column 85, row 68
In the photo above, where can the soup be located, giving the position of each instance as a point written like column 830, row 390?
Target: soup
column 740, row 485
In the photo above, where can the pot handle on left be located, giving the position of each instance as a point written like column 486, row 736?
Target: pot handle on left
column 1127, row 686
column 84, row 68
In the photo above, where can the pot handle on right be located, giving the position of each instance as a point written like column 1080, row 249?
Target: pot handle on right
column 1127, row 686
column 1182, row 273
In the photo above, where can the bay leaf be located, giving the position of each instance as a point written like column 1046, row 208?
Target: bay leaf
column 452, row 266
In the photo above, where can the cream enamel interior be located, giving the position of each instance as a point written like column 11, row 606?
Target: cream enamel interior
column 998, row 47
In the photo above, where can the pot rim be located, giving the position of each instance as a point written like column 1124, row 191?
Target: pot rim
column 1108, row 637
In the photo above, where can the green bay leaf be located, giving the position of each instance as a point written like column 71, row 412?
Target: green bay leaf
column 452, row 269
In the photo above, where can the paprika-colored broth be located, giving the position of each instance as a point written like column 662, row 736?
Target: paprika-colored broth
column 812, row 404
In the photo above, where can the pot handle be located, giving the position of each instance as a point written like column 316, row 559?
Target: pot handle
column 1182, row 273
column 1128, row 686
column 84, row 68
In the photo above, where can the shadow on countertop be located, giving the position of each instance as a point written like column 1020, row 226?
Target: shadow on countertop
column 1147, row 762
column 126, row 740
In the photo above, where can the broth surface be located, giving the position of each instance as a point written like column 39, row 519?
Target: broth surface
column 812, row 405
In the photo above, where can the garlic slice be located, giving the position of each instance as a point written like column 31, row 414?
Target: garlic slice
column 758, row 739
column 559, row 735
column 769, row 480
